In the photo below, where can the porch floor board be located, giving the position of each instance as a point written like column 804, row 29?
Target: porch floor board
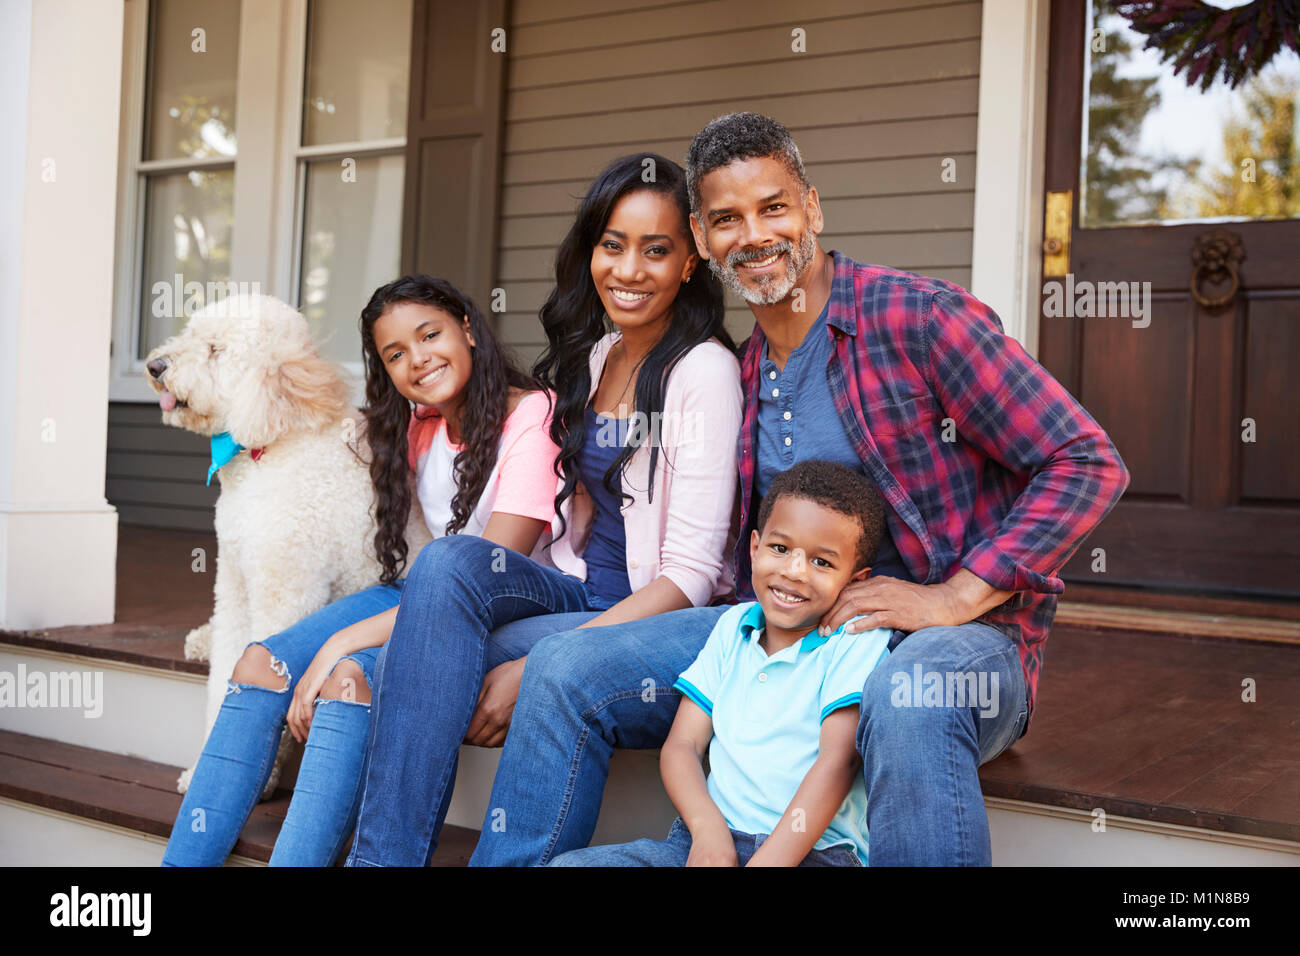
column 1143, row 724
column 1154, row 727
column 159, row 599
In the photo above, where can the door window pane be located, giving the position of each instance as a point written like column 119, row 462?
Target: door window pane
column 187, row 240
column 1159, row 151
column 352, row 245
column 358, row 58
column 193, row 47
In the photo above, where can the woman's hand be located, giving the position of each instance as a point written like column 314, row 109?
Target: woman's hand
column 302, row 707
column 496, row 705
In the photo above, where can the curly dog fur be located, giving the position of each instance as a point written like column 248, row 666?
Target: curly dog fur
column 294, row 528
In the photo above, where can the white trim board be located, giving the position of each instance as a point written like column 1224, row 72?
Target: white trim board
column 1034, row 834
column 38, row 836
column 1006, row 258
column 143, row 711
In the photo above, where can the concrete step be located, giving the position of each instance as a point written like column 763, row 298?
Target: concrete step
column 1181, row 778
column 133, row 708
column 151, row 710
column 63, row 805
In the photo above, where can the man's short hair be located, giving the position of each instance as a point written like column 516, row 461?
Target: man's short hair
column 738, row 136
column 839, row 488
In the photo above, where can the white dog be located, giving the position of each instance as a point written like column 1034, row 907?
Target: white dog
column 294, row 519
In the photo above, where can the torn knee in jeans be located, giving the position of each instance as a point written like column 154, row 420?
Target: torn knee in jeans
column 258, row 667
column 346, row 683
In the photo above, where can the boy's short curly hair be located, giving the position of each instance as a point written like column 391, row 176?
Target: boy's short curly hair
column 738, row 136
column 838, row 488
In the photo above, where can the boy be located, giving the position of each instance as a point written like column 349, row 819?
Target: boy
column 774, row 702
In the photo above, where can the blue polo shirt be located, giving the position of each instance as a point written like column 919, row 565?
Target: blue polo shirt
column 767, row 715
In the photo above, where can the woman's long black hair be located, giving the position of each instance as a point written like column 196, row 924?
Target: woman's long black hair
column 574, row 320
column 388, row 412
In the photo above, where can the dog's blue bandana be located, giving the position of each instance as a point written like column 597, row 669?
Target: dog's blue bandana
column 224, row 448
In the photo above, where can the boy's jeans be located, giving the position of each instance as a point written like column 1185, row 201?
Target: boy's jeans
column 239, row 752
column 588, row 691
column 675, row 850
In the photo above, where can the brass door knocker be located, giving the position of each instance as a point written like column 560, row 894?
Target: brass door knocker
column 1216, row 254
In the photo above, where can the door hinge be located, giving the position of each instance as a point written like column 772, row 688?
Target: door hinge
column 1057, row 224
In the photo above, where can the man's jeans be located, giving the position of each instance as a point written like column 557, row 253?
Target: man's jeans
column 922, row 746
column 676, row 849
column 586, row 692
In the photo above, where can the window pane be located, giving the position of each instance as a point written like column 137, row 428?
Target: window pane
column 358, row 58
column 187, row 240
column 1159, row 151
column 193, row 46
column 352, row 245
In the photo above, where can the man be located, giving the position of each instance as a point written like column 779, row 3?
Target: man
column 992, row 474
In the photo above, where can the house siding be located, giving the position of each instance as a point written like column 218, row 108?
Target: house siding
column 886, row 91
column 155, row 474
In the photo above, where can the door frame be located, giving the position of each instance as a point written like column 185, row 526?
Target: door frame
column 1010, row 151
column 1226, row 522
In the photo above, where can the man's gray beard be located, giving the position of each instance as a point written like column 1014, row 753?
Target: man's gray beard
column 776, row 289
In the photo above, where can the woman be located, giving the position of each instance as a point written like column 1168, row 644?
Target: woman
column 478, row 443
column 646, row 421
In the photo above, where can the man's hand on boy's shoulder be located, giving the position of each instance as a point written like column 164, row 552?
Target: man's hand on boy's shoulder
column 904, row 606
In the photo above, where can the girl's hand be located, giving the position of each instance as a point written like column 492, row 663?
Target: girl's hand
column 302, row 707
column 713, row 849
column 496, row 705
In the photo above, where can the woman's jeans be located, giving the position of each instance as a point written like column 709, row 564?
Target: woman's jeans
column 240, row 751
column 449, row 633
column 675, row 850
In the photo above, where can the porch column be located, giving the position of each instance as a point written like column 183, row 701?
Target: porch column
column 1006, row 261
column 60, row 83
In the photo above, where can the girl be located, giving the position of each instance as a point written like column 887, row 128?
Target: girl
column 478, row 443
column 647, row 413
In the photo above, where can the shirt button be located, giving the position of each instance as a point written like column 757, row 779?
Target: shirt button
column 787, row 416
column 776, row 392
column 762, row 678
column 787, row 440
column 771, row 374
column 634, row 564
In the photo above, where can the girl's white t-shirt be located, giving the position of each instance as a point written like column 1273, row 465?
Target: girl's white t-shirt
column 522, row 482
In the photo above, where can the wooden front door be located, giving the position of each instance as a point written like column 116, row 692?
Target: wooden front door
column 1176, row 321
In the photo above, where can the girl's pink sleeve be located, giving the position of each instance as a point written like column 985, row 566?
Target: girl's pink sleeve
column 419, row 436
column 527, row 481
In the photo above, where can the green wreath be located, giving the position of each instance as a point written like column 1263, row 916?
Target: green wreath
column 1206, row 41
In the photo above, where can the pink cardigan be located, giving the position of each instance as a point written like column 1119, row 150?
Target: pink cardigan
column 685, row 533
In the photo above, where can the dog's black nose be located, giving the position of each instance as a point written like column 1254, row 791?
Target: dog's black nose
column 157, row 367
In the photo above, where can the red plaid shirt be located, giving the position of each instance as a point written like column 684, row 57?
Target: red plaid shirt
column 1029, row 475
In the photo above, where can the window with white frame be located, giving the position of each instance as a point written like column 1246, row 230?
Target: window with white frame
column 185, row 172
column 320, row 91
column 351, row 161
